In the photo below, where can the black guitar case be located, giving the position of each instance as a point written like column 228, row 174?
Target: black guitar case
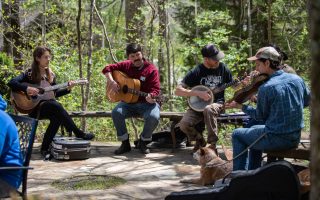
column 70, row 148
column 275, row 181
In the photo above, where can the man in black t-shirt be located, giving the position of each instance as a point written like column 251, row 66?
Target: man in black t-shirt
column 211, row 73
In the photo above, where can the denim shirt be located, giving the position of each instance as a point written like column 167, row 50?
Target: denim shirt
column 280, row 103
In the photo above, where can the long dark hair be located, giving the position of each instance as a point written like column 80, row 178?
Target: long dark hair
column 37, row 53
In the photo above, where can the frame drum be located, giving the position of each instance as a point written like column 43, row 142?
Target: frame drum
column 198, row 104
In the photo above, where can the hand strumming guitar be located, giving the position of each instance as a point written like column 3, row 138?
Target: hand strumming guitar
column 32, row 91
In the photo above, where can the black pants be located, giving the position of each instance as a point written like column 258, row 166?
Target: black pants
column 57, row 115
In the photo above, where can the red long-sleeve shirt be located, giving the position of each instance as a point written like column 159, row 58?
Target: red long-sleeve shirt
column 148, row 76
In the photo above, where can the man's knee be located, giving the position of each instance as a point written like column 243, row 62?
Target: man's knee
column 213, row 109
column 115, row 112
column 188, row 129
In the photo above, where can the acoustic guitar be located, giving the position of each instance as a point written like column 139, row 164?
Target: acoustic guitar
column 129, row 91
column 198, row 104
column 25, row 103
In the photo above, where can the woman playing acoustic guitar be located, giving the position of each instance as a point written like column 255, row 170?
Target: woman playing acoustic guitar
column 41, row 74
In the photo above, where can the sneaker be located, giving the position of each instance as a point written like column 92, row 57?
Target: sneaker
column 46, row 155
column 143, row 147
column 88, row 136
column 124, row 147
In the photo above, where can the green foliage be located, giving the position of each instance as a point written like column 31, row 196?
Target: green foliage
column 7, row 72
column 191, row 25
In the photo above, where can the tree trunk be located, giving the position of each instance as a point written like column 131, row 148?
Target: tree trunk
column 269, row 21
column 44, row 22
column 249, row 27
column 315, row 102
column 135, row 28
column 12, row 33
column 162, row 37
column 78, row 22
column 89, row 65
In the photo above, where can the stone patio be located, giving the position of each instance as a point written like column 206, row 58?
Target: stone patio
column 153, row 176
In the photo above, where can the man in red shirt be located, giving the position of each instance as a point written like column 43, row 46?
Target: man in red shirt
column 135, row 67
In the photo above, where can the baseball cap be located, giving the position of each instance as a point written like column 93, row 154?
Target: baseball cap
column 266, row 53
column 211, row 51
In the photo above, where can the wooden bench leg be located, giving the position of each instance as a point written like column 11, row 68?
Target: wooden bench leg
column 173, row 135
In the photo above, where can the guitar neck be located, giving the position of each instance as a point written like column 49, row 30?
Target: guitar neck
column 224, row 86
column 136, row 92
column 54, row 87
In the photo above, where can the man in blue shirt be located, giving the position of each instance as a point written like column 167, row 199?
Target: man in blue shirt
column 9, row 152
column 280, row 106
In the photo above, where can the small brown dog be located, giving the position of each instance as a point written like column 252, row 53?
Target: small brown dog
column 304, row 177
column 212, row 167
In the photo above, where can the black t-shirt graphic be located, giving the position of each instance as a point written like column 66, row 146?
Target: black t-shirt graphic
column 211, row 78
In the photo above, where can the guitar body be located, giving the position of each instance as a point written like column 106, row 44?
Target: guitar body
column 125, row 84
column 25, row 103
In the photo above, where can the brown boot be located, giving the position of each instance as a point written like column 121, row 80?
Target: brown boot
column 199, row 143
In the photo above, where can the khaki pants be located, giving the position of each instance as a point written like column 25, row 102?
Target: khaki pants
column 208, row 116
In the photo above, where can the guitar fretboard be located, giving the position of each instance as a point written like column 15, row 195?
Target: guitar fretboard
column 139, row 93
column 64, row 85
column 54, row 87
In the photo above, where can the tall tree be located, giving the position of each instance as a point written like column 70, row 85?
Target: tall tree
column 162, row 37
column 79, row 43
column 44, row 21
column 135, row 20
column 315, row 85
column 12, row 33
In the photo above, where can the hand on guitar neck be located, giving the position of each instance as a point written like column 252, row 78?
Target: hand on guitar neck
column 33, row 91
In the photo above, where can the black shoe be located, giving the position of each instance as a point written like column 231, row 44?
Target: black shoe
column 87, row 136
column 125, row 147
column 143, row 147
column 46, row 155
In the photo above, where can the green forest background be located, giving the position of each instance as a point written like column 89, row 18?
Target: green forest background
column 87, row 35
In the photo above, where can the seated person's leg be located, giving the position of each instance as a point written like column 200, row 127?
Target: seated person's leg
column 151, row 116
column 241, row 139
column 254, row 159
column 119, row 115
column 210, row 113
column 188, row 125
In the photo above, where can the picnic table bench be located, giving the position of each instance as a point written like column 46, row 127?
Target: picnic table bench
column 174, row 117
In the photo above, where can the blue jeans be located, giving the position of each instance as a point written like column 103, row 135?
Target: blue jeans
column 243, row 137
column 149, row 112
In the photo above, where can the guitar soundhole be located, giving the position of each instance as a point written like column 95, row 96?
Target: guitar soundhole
column 125, row 89
column 41, row 90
